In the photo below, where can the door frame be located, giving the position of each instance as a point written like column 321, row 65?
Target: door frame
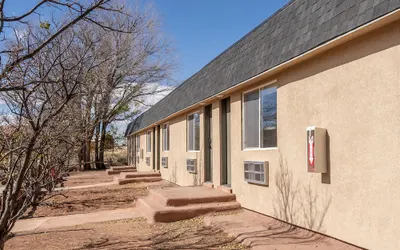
column 158, row 147
column 225, row 128
column 208, row 155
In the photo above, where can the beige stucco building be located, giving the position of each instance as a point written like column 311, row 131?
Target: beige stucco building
column 347, row 83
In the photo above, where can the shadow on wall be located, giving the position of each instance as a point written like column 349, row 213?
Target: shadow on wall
column 172, row 173
column 200, row 165
column 298, row 204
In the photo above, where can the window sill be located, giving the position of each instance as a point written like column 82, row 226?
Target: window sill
column 191, row 151
column 257, row 184
column 260, row 149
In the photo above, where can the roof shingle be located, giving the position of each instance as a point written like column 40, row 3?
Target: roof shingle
column 296, row 28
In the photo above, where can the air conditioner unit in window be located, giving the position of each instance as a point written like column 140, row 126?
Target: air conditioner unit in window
column 164, row 162
column 191, row 165
column 148, row 161
column 256, row 172
column 141, row 153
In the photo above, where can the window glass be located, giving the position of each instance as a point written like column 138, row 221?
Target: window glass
column 260, row 119
column 137, row 142
column 196, row 132
column 148, row 141
column 193, row 132
column 190, row 123
column 165, row 137
column 268, row 118
column 251, row 119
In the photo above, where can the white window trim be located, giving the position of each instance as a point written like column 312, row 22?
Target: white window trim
column 187, row 119
column 269, row 85
column 137, row 138
column 169, row 145
column 147, row 134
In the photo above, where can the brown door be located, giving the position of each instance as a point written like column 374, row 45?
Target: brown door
column 225, row 142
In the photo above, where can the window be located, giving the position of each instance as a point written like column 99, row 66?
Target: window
column 165, row 137
column 256, row 172
column 164, row 162
column 137, row 143
column 148, row 141
column 259, row 118
column 193, row 132
column 191, row 165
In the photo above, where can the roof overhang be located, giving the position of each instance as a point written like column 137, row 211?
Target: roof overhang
column 269, row 74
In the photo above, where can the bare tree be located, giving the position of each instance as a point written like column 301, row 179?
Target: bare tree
column 37, row 140
column 12, row 57
column 62, row 81
column 135, row 60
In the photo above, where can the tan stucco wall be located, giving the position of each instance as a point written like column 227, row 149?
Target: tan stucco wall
column 177, row 154
column 142, row 166
column 354, row 92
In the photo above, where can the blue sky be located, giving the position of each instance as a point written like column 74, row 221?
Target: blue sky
column 201, row 29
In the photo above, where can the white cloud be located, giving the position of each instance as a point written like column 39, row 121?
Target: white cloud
column 149, row 100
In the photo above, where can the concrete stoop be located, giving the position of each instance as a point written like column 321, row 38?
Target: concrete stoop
column 180, row 203
column 135, row 177
column 120, row 169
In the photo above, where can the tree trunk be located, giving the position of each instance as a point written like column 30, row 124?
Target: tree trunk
column 3, row 238
column 102, row 143
column 81, row 158
column 86, row 155
column 99, row 162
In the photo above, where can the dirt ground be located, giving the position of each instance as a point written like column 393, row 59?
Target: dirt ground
column 224, row 230
column 87, row 178
column 128, row 234
column 86, row 200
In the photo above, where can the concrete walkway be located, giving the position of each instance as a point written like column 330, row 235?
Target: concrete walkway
column 262, row 232
column 87, row 186
column 45, row 223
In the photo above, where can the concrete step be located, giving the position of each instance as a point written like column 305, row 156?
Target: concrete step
column 123, row 168
column 156, row 212
column 121, row 181
column 183, row 196
column 225, row 189
column 128, row 175
column 115, row 172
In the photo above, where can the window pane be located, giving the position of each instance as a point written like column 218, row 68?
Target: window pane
column 251, row 119
column 268, row 118
column 190, row 132
column 168, row 137
column 148, row 142
column 165, row 137
column 196, row 131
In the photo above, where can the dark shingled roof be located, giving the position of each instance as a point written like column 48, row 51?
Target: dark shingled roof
column 296, row 28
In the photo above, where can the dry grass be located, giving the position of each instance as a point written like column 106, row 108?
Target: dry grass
column 87, row 178
column 118, row 156
column 95, row 199
column 128, row 234
column 77, row 201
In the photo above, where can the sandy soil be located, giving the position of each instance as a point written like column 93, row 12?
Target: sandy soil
column 128, row 234
column 87, row 178
column 94, row 199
